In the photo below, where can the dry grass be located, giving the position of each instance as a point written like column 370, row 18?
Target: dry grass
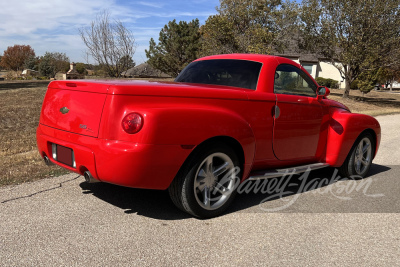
column 19, row 116
column 20, row 104
column 374, row 103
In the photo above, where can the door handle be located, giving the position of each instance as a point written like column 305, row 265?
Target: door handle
column 277, row 112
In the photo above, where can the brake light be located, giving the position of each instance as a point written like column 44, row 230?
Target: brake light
column 71, row 85
column 132, row 123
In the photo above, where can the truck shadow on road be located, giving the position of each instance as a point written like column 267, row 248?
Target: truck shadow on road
column 321, row 191
column 149, row 203
column 157, row 204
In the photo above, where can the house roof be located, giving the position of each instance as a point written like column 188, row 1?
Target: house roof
column 144, row 70
column 312, row 58
column 293, row 51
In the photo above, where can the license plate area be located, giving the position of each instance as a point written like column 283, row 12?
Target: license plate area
column 64, row 155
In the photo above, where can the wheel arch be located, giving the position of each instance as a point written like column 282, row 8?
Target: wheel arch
column 227, row 140
column 214, row 141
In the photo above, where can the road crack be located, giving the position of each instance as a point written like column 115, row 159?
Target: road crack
column 39, row 192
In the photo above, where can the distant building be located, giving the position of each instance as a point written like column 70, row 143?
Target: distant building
column 3, row 75
column 316, row 66
column 72, row 74
column 29, row 72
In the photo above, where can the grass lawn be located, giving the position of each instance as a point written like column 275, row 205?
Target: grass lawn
column 20, row 105
column 19, row 116
column 374, row 103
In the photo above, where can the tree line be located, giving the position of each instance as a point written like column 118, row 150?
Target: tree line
column 108, row 42
column 361, row 38
column 20, row 57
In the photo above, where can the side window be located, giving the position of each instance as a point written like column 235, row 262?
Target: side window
column 308, row 68
column 291, row 80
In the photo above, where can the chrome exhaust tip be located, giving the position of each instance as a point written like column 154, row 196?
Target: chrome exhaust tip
column 47, row 161
column 89, row 178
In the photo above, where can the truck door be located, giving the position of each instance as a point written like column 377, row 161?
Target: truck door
column 298, row 114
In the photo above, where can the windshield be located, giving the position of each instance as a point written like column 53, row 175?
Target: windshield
column 229, row 72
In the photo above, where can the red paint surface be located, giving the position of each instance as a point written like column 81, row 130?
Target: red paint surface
column 179, row 117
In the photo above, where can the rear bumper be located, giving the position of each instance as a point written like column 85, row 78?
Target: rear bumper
column 123, row 163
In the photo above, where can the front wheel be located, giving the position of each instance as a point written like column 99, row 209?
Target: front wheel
column 359, row 160
column 207, row 184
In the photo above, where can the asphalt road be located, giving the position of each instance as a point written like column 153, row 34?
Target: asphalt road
column 65, row 222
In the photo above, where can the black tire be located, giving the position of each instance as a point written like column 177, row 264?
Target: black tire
column 359, row 160
column 219, row 186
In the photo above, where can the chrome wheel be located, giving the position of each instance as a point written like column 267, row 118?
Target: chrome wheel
column 359, row 160
column 214, row 181
column 363, row 156
column 206, row 184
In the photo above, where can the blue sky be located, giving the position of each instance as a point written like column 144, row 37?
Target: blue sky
column 52, row 25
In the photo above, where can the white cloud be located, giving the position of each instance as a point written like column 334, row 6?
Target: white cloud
column 30, row 16
column 155, row 5
column 52, row 25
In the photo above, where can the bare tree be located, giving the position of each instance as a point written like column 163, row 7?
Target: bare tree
column 108, row 42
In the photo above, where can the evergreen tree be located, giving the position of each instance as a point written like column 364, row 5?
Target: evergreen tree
column 178, row 45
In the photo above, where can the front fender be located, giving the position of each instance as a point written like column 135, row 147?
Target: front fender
column 344, row 129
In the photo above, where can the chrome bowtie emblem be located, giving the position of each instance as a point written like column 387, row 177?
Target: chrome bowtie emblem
column 64, row 110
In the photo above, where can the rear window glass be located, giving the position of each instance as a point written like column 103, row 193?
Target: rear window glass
column 229, row 72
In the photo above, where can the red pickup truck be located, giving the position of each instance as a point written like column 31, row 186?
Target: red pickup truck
column 224, row 119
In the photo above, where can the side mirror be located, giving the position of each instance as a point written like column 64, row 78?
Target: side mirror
column 322, row 92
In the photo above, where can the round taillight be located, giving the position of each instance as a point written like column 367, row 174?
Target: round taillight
column 132, row 123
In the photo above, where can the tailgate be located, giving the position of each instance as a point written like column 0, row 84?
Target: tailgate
column 74, row 107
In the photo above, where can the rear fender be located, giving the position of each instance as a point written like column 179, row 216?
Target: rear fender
column 180, row 121
column 195, row 126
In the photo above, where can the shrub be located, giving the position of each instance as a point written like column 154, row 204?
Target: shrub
column 330, row 83
column 80, row 68
column 333, row 84
column 354, row 85
column 9, row 76
column 320, row 81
